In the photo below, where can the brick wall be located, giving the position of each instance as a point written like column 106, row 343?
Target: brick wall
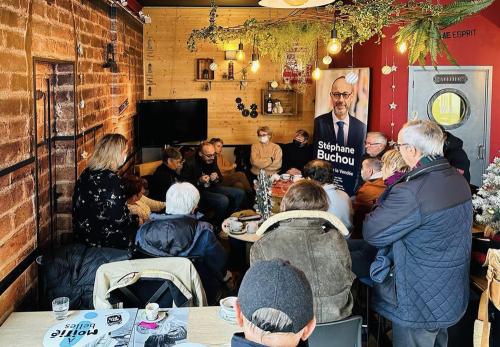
column 37, row 29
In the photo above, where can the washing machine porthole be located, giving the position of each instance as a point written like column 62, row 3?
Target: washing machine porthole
column 449, row 107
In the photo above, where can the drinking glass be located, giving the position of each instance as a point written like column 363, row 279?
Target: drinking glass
column 60, row 307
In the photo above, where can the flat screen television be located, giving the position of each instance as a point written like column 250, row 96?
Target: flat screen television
column 171, row 121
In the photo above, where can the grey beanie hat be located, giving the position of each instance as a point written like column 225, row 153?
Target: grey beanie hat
column 279, row 285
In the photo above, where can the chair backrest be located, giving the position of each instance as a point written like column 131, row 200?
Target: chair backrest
column 159, row 290
column 142, row 280
column 343, row 333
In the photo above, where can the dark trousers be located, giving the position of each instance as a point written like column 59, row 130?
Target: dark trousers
column 221, row 201
column 362, row 255
column 409, row 337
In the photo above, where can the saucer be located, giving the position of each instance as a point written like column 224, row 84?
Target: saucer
column 238, row 232
column 161, row 315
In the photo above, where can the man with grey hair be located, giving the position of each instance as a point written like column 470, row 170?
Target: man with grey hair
column 274, row 306
column 422, row 227
column 375, row 144
column 179, row 233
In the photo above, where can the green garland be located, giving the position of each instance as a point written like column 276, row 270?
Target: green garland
column 419, row 24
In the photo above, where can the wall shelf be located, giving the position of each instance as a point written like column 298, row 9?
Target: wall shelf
column 286, row 97
column 217, row 81
column 208, row 82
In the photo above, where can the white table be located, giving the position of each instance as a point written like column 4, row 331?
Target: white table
column 26, row 329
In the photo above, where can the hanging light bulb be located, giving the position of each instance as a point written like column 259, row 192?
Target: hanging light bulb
column 327, row 60
column 316, row 74
column 240, row 55
column 334, row 45
column 255, row 63
column 402, row 47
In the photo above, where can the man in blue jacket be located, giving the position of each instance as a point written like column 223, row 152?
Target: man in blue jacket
column 423, row 224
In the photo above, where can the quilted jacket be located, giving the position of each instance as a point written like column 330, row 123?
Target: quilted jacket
column 70, row 271
column 168, row 235
column 426, row 219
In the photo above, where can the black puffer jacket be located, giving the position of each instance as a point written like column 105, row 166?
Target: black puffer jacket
column 70, row 271
column 454, row 152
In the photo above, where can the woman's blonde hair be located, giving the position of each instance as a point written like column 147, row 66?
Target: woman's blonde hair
column 393, row 160
column 108, row 153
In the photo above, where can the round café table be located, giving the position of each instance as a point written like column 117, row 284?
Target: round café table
column 251, row 238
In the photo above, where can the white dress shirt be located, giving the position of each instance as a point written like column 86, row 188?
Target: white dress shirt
column 336, row 127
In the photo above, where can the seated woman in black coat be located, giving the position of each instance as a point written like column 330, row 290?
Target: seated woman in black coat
column 100, row 214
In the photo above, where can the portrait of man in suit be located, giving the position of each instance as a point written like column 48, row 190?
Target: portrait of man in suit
column 339, row 136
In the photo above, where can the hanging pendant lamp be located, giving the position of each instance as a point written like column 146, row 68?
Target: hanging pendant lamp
column 294, row 3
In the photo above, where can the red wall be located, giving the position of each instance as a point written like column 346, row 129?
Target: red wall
column 483, row 49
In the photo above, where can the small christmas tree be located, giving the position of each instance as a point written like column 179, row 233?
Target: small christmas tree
column 263, row 195
column 487, row 199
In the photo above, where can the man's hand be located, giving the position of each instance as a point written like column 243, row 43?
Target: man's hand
column 204, row 179
column 214, row 176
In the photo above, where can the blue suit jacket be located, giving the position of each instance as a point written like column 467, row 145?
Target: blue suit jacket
column 324, row 131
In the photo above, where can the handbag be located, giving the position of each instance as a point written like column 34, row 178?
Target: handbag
column 482, row 325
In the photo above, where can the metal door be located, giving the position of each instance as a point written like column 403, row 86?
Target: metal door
column 45, row 124
column 458, row 98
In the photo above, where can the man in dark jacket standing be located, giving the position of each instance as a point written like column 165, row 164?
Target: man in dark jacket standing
column 423, row 224
column 202, row 171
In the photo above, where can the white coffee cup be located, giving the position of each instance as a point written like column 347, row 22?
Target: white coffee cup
column 152, row 311
column 275, row 177
column 227, row 305
column 252, row 227
column 235, row 225
column 285, row 177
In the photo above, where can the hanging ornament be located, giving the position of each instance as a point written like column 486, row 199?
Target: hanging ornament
column 245, row 113
column 386, row 69
column 213, row 66
column 274, row 84
column 394, row 68
column 352, row 77
column 327, row 60
column 392, row 106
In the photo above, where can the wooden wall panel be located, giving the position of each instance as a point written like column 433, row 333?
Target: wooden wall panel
column 173, row 70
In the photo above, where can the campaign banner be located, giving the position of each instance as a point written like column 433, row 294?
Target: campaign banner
column 341, row 118
column 93, row 328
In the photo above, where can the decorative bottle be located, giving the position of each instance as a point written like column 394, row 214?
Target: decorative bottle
column 269, row 104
